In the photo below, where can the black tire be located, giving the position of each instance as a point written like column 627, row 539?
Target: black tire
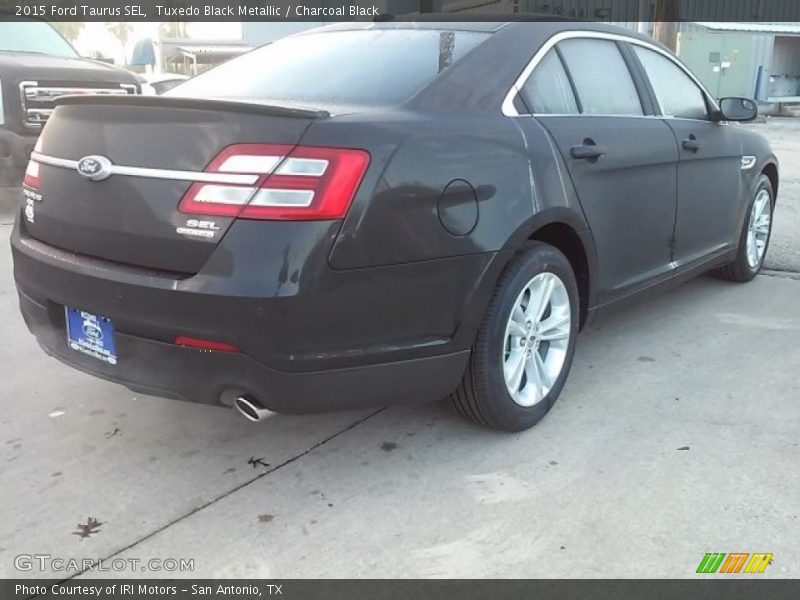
column 739, row 269
column 483, row 396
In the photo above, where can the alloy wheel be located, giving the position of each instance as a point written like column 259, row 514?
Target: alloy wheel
column 758, row 229
column 536, row 339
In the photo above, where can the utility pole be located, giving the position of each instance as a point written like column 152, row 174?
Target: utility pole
column 666, row 25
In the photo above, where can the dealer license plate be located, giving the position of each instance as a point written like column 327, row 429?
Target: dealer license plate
column 91, row 334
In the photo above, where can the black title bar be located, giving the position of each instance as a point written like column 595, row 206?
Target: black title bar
column 738, row 588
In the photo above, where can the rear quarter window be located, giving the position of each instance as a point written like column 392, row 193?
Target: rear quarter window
column 363, row 67
column 548, row 90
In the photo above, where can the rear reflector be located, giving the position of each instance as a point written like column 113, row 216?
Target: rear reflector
column 209, row 345
column 301, row 183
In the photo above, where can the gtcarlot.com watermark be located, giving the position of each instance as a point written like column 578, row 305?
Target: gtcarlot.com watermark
column 48, row 562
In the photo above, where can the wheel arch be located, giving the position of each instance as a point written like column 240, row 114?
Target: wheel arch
column 566, row 230
column 567, row 240
column 771, row 171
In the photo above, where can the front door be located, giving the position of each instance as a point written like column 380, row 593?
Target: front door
column 710, row 194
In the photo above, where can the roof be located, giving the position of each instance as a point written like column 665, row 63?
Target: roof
column 776, row 28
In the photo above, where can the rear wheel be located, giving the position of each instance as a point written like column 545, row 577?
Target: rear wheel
column 524, row 348
column 755, row 235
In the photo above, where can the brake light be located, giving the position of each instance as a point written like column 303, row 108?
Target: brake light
column 208, row 345
column 300, row 183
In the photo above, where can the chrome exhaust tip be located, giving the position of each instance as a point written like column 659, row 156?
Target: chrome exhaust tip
column 250, row 408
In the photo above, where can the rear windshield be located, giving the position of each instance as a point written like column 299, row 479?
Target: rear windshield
column 364, row 67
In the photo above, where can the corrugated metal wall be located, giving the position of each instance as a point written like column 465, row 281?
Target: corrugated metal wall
column 631, row 11
column 762, row 57
column 497, row 7
column 740, row 10
column 600, row 10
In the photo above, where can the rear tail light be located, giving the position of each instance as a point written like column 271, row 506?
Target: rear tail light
column 300, row 183
column 31, row 178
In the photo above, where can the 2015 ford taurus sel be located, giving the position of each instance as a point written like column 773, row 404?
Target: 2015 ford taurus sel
column 379, row 213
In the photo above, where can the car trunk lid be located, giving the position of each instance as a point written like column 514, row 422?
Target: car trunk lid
column 158, row 146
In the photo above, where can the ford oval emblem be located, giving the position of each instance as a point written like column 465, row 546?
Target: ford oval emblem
column 93, row 331
column 95, row 168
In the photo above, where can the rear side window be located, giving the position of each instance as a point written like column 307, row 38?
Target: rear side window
column 602, row 79
column 380, row 67
column 548, row 90
column 677, row 94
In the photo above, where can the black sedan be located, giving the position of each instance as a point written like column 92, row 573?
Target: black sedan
column 377, row 213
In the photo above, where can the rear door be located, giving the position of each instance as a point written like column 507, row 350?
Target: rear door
column 622, row 160
column 709, row 171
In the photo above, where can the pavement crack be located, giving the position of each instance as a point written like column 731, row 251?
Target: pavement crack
column 230, row 492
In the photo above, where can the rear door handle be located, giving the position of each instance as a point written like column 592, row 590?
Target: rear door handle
column 587, row 151
column 692, row 144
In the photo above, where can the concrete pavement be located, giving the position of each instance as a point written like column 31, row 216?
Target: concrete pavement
column 9, row 200
column 676, row 435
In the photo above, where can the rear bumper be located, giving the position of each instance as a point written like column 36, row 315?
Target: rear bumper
column 162, row 369
column 369, row 337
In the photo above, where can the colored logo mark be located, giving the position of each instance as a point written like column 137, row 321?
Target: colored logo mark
column 734, row 562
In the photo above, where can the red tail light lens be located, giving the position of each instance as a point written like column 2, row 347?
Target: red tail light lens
column 304, row 183
column 208, row 345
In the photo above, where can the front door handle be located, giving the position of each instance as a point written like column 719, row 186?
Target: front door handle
column 587, row 151
column 692, row 144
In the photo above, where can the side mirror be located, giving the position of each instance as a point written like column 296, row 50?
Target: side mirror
column 738, row 109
